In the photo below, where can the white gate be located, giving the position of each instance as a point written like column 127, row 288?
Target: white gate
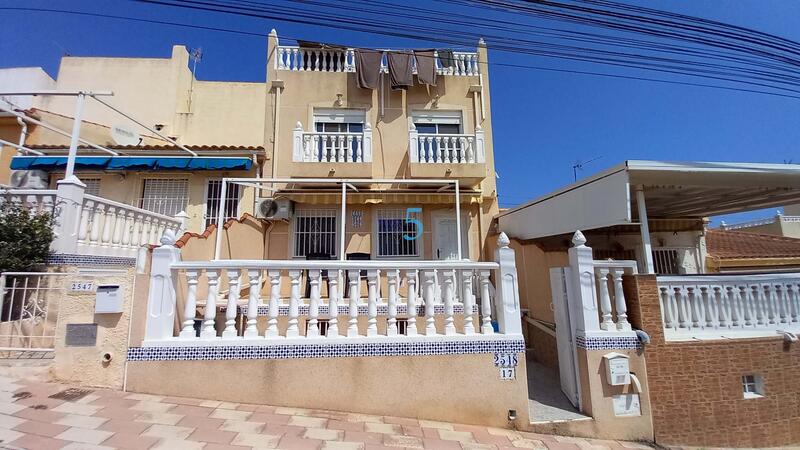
column 565, row 334
column 29, row 303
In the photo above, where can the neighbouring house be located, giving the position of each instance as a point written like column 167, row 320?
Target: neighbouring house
column 786, row 224
column 632, row 318
column 301, row 241
column 735, row 251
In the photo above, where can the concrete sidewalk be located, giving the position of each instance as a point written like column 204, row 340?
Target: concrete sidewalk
column 36, row 414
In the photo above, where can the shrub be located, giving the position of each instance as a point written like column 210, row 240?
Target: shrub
column 25, row 238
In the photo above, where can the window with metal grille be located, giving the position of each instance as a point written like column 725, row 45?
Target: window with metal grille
column 165, row 196
column 397, row 232
column 315, row 232
column 214, row 197
column 402, row 326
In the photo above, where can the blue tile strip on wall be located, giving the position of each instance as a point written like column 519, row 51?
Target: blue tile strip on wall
column 338, row 350
column 89, row 260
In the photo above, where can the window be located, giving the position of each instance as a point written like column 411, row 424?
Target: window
column 443, row 124
column 165, row 196
column 397, row 232
column 331, row 121
column 752, row 386
column 213, row 198
column 315, row 232
column 92, row 185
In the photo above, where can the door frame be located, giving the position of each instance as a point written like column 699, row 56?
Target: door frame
column 440, row 214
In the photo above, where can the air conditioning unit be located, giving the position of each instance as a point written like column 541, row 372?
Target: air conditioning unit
column 29, row 179
column 275, row 209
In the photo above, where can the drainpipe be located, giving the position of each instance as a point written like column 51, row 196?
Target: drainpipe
column 24, row 133
column 277, row 87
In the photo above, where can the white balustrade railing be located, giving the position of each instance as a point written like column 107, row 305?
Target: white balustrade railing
column 34, row 200
column 446, row 148
column 323, row 146
column 343, row 60
column 594, row 290
column 354, row 299
column 112, row 228
column 613, row 308
column 729, row 305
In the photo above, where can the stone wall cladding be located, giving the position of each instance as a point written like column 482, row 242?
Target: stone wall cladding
column 696, row 387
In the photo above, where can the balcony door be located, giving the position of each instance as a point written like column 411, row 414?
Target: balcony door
column 438, row 135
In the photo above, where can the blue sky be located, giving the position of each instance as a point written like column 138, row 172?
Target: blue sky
column 541, row 119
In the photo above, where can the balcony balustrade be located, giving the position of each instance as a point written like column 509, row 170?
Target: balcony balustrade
column 343, row 60
column 335, row 147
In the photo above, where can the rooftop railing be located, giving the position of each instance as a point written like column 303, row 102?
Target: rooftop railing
column 343, row 60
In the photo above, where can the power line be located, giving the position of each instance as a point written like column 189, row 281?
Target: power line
column 509, row 65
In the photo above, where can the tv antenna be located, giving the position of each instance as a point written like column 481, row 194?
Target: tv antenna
column 579, row 166
column 195, row 55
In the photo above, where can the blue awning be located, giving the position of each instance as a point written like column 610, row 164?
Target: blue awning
column 50, row 163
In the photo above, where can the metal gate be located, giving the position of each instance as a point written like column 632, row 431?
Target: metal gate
column 29, row 303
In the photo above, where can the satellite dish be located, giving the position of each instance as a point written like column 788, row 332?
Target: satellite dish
column 124, row 134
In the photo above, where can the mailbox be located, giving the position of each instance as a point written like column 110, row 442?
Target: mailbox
column 108, row 299
column 618, row 369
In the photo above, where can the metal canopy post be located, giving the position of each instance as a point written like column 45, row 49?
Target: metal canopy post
column 76, row 131
column 647, row 248
column 220, row 211
column 458, row 219
column 342, row 222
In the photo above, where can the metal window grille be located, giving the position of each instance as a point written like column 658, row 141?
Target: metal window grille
column 92, row 186
column 315, row 232
column 394, row 231
column 213, row 199
column 165, row 196
column 29, row 305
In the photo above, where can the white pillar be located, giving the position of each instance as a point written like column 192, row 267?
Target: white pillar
column 69, row 197
column 161, row 297
column 581, row 292
column 509, row 318
column 647, row 248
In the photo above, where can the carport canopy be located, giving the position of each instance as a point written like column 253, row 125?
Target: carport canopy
column 634, row 191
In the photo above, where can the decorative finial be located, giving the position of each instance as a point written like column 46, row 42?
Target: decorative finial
column 367, row 126
column 273, row 32
column 578, row 239
column 503, row 240
column 168, row 238
column 299, row 126
column 481, row 41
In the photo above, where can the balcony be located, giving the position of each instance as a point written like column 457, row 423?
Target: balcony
column 447, row 155
column 298, row 59
column 322, row 153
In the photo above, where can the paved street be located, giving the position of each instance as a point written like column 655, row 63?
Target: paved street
column 35, row 414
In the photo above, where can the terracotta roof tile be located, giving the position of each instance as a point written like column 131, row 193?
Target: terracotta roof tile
column 737, row 244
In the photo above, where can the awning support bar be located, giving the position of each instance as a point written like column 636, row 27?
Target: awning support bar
column 647, row 248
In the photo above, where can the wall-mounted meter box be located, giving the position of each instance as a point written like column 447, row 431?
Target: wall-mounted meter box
column 108, row 299
column 618, row 369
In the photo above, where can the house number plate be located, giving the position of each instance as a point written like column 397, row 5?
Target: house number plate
column 506, row 360
column 508, row 373
column 81, row 286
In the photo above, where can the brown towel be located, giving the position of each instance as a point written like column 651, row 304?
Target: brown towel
column 446, row 57
column 400, row 72
column 426, row 66
column 368, row 68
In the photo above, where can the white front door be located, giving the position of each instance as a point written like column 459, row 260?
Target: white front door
column 445, row 240
column 565, row 336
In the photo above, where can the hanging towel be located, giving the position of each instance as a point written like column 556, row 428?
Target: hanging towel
column 368, row 68
column 426, row 66
column 400, row 72
column 446, row 57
